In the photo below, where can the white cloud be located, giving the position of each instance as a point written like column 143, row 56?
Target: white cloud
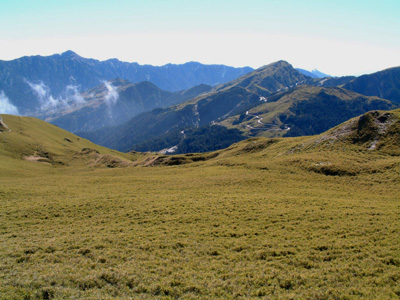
column 73, row 95
column 112, row 95
column 111, row 98
column 69, row 98
column 40, row 89
column 6, row 107
column 46, row 100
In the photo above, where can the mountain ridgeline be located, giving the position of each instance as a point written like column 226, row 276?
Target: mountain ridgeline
column 36, row 84
column 273, row 101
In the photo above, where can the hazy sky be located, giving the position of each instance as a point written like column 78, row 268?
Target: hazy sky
column 338, row 37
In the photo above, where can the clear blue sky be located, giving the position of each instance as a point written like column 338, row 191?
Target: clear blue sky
column 337, row 37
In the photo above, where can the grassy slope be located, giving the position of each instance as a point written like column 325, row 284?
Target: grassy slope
column 49, row 144
column 260, row 219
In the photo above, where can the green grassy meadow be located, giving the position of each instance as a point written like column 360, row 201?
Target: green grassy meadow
column 259, row 220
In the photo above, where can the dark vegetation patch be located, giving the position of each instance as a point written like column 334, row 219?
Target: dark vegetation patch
column 171, row 160
column 86, row 151
column 334, row 170
column 95, row 159
column 192, row 140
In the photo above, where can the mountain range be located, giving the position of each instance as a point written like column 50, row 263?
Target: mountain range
column 37, row 84
column 190, row 107
column 275, row 100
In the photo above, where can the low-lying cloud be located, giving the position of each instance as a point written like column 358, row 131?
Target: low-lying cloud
column 70, row 97
column 6, row 107
column 73, row 95
column 112, row 96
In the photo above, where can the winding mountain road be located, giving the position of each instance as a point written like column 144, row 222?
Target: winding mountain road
column 265, row 124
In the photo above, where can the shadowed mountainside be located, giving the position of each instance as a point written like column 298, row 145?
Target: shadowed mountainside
column 384, row 84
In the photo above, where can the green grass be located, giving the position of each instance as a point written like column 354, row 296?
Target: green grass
column 259, row 220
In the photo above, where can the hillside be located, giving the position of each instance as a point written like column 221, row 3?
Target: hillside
column 305, row 110
column 308, row 217
column 26, row 139
column 384, row 84
column 373, row 132
column 33, row 83
column 115, row 102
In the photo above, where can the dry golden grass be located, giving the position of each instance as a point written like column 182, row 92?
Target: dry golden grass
column 259, row 220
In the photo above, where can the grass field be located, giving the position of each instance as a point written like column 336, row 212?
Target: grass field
column 260, row 220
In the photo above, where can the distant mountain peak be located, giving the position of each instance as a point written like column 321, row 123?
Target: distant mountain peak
column 279, row 63
column 69, row 54
column 313, row 74
column 282, row 62
column 320, row 74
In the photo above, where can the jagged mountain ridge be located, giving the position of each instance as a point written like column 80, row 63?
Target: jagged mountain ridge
column 29, row 81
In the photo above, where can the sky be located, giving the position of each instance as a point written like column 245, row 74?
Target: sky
column 337, row 37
